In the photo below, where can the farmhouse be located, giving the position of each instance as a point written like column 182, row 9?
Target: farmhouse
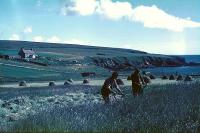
column 27, row 53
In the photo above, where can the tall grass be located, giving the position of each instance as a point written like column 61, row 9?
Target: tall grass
column 168, row 108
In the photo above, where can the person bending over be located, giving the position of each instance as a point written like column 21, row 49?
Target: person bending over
column 108, row 86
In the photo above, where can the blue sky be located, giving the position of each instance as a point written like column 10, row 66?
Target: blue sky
column 155, row 26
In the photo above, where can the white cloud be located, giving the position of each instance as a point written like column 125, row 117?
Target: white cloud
column 80, row 7
column 28, row 30
column 54, row 39
column 149, row 16
column 114, row 10
column 38, row 39
column 153, row 17
column 14, row 37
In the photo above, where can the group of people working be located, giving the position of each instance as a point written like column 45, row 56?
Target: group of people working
column 110, row 83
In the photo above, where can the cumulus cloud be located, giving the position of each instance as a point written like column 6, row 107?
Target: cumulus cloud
column 53, row 39
column 14, row 37
column 153, row 17
column 114, row 10
column 28, row 30
column 80, row 7
column 38, row 39
column 149, row 16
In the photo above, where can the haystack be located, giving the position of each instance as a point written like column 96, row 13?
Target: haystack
column 22, row 83
column 180, row 77
column 67, row 83
column 172, row 77
column 152, row 76
column 147, row 79
column 52, row 83
column 188, row 78
column 164, row 77
column 86, row 81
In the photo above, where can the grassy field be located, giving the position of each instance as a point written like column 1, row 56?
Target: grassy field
column 79, row 108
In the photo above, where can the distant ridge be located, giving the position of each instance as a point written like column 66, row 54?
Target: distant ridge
column 29, row 44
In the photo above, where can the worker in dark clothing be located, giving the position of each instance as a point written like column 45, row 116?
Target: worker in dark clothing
column 137, row 82
column 108, row 86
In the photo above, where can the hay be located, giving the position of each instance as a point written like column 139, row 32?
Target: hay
column 86, row 81
column 171, row 77
column 67, row 83
column 52, row 83
column 70, row 80
column 152, row 76
column 147, row 79
column 164, row 77
column 22, row 83
column 188, row 78
column 180, row 77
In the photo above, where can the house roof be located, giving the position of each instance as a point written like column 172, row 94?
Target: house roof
column 30, row 52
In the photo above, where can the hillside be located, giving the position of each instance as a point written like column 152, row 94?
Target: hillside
column 59, row 61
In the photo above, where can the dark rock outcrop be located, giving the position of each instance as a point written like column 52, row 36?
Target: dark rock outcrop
column 138, row 61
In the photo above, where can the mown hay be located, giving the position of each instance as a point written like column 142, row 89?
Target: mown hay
column 147, row 79
column 180, row 77
column 22, row 83
column 152, row 76
column 164, row 77
column 67, row 83
column 86, row 81
column 188, row 78
column 52, row 83
column 70, row 80
column 171, row 77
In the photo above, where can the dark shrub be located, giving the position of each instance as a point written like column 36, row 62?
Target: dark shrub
column 85, row 81
column 52, row 83
column 119, row 82
column 171, row 77
column 22, row 83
